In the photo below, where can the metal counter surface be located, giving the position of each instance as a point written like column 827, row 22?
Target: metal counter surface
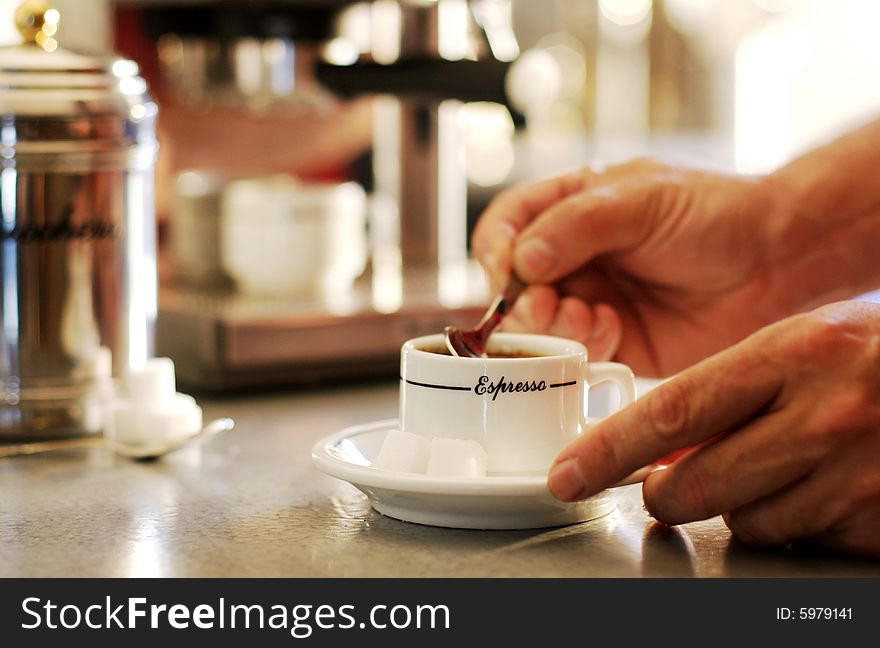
column 250, row 503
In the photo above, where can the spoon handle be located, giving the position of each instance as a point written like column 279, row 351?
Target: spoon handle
column 21, row 449
column 500, row 307
column 515, row 287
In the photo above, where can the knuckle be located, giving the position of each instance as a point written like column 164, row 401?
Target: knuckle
column 814, row 438
column 847, row 417
column 668, row 409
column 830, row 335
column 665, row 196
column 601, row 446
column 821, row 336
column 852, row 412
column 802, row 338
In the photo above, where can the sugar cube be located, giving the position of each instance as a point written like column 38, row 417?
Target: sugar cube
column 123, row 425
column 151, row 385
column 156, row 426
column 403, row 452
column 457, row 458
column 172, row 425
column 189, row 414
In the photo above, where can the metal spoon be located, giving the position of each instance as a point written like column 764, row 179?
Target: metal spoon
column 140, row 451
column 471, row 343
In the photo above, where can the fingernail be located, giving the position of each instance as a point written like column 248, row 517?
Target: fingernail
column 565, row 480
column 600, row 324
column 599, row 330
column 522, row 309
column 563, row 326
column 537, row 257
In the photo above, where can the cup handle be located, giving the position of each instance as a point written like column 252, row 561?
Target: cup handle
column 618, row 374
column 621, row 377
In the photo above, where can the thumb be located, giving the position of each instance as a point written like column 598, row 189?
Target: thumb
column 581, row 227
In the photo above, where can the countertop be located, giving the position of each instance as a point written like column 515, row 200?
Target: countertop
column 250, row 503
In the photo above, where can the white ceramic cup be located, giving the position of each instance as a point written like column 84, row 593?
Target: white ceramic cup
column 283, row 238
column 523, row 411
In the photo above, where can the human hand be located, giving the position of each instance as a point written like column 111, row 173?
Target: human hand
column 784, row 429
column 657, row 265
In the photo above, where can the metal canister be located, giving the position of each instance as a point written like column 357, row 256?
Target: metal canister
column 78, row 291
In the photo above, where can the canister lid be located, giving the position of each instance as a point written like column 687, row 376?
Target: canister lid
column 51, row 95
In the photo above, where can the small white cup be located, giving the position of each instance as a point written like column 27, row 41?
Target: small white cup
column 523, row 411
column 283, row 238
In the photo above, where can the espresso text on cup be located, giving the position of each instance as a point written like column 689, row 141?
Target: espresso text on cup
column 483, row 386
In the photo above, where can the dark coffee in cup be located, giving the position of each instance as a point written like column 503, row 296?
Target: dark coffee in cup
column 503, row 353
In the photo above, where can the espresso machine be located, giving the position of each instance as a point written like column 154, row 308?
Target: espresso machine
column 420, row 62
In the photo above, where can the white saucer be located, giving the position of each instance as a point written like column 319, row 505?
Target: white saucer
column 493, row 502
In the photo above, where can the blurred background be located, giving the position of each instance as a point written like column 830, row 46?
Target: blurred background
column 323, row 161
column 762, row 79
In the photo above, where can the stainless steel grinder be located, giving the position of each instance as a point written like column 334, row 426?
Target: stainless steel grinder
column 78, row 253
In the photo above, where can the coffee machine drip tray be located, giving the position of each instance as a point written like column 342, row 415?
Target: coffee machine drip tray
column 223, row 341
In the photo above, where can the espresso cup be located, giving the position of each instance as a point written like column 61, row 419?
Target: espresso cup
column 522, row 409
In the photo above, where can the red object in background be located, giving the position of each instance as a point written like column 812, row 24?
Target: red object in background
column 131, row 39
